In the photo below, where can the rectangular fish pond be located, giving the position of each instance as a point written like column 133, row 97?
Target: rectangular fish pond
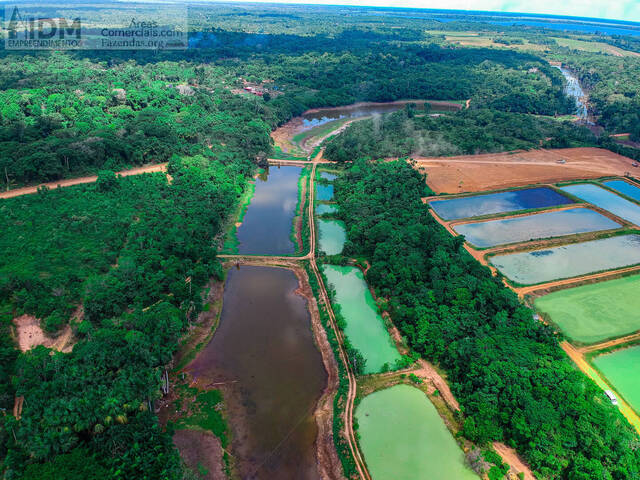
column 268, row 222
column 536, row 226
column 403, row 438
column 539, row 266
column 324, row 192
column 331, row 236
column 606, row 200
column 322, row 208
column 495, row 203
column 631, row 191
column 621, row 369
column 596, row 312
column 365, row 327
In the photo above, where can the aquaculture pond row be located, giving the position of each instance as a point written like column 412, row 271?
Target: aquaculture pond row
column 536, row 226
column 331, row 233
column 566, row 261
column 606, row 200
column 497, row 203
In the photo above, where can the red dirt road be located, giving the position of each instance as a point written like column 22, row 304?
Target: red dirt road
column 476, row 173
column 160, row 167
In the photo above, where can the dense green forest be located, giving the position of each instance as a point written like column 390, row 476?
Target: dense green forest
column 67, row 114
column 60, row 115
column 55, row 240
column 513, row 381
column 135, row 253
column 404, row 133
column 614, row 87
column 98, row 396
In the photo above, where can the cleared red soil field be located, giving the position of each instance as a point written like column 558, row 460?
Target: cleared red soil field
column 476, row 173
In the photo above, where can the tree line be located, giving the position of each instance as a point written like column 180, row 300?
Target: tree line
column 474, row 131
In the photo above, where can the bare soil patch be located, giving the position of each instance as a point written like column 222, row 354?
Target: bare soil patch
column 200, row 450
column 30, row 335
column 476, row 173
column 510, row 456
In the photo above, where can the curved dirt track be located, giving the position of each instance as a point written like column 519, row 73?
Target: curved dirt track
column 160, row 167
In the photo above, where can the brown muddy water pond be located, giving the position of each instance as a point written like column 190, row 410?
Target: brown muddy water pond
column 264, row 352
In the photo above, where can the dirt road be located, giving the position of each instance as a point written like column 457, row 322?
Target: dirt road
column 583, row 365
column 611, row 343
column 160, row 167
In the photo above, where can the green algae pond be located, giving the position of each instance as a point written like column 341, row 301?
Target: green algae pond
column 621, row 369
column 365, row 327
column 596, row 312
column 331, row 236
column 403, row 438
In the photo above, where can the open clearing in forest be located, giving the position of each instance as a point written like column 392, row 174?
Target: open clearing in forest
column 596, row 312
column 477, row 173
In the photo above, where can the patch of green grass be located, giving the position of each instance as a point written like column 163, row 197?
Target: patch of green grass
column 596, row 312
column 205, row 412
column 231, row 239
column 278, row 154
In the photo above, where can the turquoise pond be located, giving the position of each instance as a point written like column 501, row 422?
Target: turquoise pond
column 606, row 200
column 625, row 188
column 331, row 236
column 532, row 227
column 325, row 208
column 324, row 192
column 494, row 203
column 529, row 268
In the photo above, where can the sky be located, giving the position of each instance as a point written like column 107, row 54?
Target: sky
column 607, row 9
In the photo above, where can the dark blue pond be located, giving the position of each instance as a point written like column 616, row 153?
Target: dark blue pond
column 494, row 203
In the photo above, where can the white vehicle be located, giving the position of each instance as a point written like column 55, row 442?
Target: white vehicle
column 612, row 397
